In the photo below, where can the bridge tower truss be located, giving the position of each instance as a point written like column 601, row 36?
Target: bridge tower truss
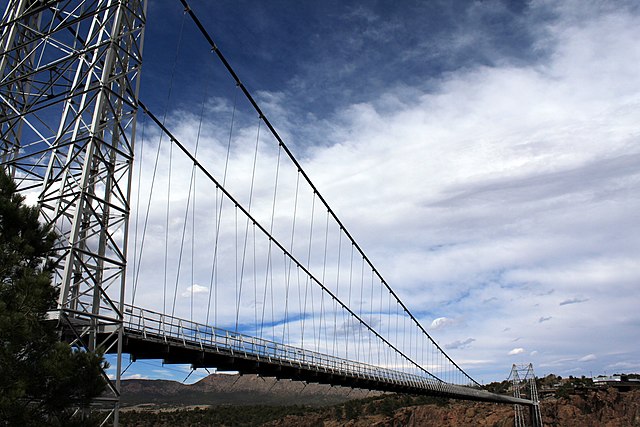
column 69, row 78
column 523, row 383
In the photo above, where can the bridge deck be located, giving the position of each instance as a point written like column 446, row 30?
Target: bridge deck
column 152, row 335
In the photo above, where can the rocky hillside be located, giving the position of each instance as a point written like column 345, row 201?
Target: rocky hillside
column 603, row 408
column 251, row 400
column 235, row 390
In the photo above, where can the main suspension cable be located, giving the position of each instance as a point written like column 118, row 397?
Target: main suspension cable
column 276, row 243
column 281, row 143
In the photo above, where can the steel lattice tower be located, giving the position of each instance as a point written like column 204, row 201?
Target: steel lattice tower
column 525, row 383
column 68, row 100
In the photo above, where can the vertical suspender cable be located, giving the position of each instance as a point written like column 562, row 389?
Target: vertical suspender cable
column 307, row 280
column 240, row 282
column 290, row 262
column 270, row 266
column 137, row 219
column 186, row 218
column 323, row 320
column 166, row 240
column 218, row 219
column 348, row 322
column 335, row 308
column 219, row 54
column 155, row 167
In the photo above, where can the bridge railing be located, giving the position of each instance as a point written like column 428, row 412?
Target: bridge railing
column 157, row 326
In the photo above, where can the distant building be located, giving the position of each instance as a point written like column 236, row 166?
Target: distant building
column 621, row 382
column 603, row 379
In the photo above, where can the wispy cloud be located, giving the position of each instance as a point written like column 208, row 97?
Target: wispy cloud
column 574, row 301
column 518, row 350
column 459, row 344
column 587, row 358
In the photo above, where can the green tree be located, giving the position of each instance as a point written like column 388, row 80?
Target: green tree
column 41, row 377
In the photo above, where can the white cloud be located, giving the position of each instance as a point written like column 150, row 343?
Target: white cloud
column 502, row 195
column 499, row 184
column 135, row 377
column 442, row 322
column 587, row 358
column 195, row 290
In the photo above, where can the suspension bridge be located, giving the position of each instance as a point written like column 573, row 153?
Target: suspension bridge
column 194, row 237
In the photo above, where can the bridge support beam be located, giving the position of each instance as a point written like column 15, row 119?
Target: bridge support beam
column 146, row 345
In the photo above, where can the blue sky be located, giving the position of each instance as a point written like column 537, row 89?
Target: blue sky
column 327, row 55
column 484, row 154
